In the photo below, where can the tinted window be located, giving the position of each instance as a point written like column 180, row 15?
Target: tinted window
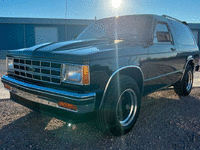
column 183, row 34
column 129, row 27
column 160, row 27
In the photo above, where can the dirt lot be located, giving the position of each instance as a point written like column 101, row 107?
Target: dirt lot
column 166, row 121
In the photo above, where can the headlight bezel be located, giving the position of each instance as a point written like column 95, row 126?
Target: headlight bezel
column 83, row 74
column 9, row 68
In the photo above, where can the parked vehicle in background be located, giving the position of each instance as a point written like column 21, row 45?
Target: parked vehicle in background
column 106, row 70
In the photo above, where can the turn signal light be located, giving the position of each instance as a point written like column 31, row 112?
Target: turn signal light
column 86, row 75
column 67, row 105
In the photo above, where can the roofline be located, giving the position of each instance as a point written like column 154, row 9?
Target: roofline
column 55, row 21
column 150, row 15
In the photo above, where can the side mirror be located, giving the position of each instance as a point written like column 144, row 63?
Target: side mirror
column 163, row 37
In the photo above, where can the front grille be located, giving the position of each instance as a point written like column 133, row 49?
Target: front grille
column 38, row 70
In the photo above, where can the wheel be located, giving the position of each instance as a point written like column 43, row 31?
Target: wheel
column 184, row 86
column 120, row 108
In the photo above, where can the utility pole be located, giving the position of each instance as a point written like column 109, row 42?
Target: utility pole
column 66, row 10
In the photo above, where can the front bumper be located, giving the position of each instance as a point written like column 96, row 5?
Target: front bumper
column 44, row 97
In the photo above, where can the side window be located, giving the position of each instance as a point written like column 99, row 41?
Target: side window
column 183, row 35
column 162, row 34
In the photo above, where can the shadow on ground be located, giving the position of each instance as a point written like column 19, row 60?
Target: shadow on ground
column 166, row 121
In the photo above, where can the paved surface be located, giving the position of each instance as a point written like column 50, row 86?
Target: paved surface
column 166, row 121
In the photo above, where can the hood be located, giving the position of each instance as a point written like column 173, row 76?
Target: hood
column 59, row 46
column 73, row 51
column 68, row 45
column 50, row 50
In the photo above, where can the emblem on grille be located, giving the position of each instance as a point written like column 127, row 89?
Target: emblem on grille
column 31, row 69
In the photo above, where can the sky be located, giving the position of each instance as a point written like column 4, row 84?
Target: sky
column 185, row 10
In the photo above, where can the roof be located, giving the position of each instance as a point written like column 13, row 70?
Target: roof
column 45, row 21
column 124, row 16
column 146, row 16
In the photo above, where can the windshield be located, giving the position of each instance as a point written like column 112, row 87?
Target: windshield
column 128, row 27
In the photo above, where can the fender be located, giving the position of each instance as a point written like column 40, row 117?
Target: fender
column 190, row 58
column 112, row 76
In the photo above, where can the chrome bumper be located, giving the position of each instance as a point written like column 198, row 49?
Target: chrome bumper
column 49, row 96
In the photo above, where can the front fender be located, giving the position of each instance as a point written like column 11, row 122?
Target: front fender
column 132, row 71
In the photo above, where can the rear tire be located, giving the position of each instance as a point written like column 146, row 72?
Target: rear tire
column 120, row 108
column 184, row 86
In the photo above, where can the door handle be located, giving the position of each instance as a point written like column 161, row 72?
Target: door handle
column 173, row 49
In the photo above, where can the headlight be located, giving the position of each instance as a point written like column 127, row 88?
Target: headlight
column 9, row 64
column 76, row 74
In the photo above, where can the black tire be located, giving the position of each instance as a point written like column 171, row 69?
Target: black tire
column 184, row 86
column 117, row 116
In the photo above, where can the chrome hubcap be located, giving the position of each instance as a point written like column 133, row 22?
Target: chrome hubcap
column 189, row 81
column 126, row 107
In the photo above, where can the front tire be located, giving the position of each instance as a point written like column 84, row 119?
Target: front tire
column 184, row 87
column 121, row 107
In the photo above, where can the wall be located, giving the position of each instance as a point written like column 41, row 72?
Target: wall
column 15, row 36
column 11, row 36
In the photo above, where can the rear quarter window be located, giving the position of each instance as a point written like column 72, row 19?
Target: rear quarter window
column 182, row 35
column 161, row 27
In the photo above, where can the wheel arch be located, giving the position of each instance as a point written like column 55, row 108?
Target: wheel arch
column 190, row 61
column 134, row 72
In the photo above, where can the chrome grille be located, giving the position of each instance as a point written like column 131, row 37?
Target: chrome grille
column 38, row 70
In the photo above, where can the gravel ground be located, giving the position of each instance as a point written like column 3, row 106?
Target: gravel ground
column 166, row 121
